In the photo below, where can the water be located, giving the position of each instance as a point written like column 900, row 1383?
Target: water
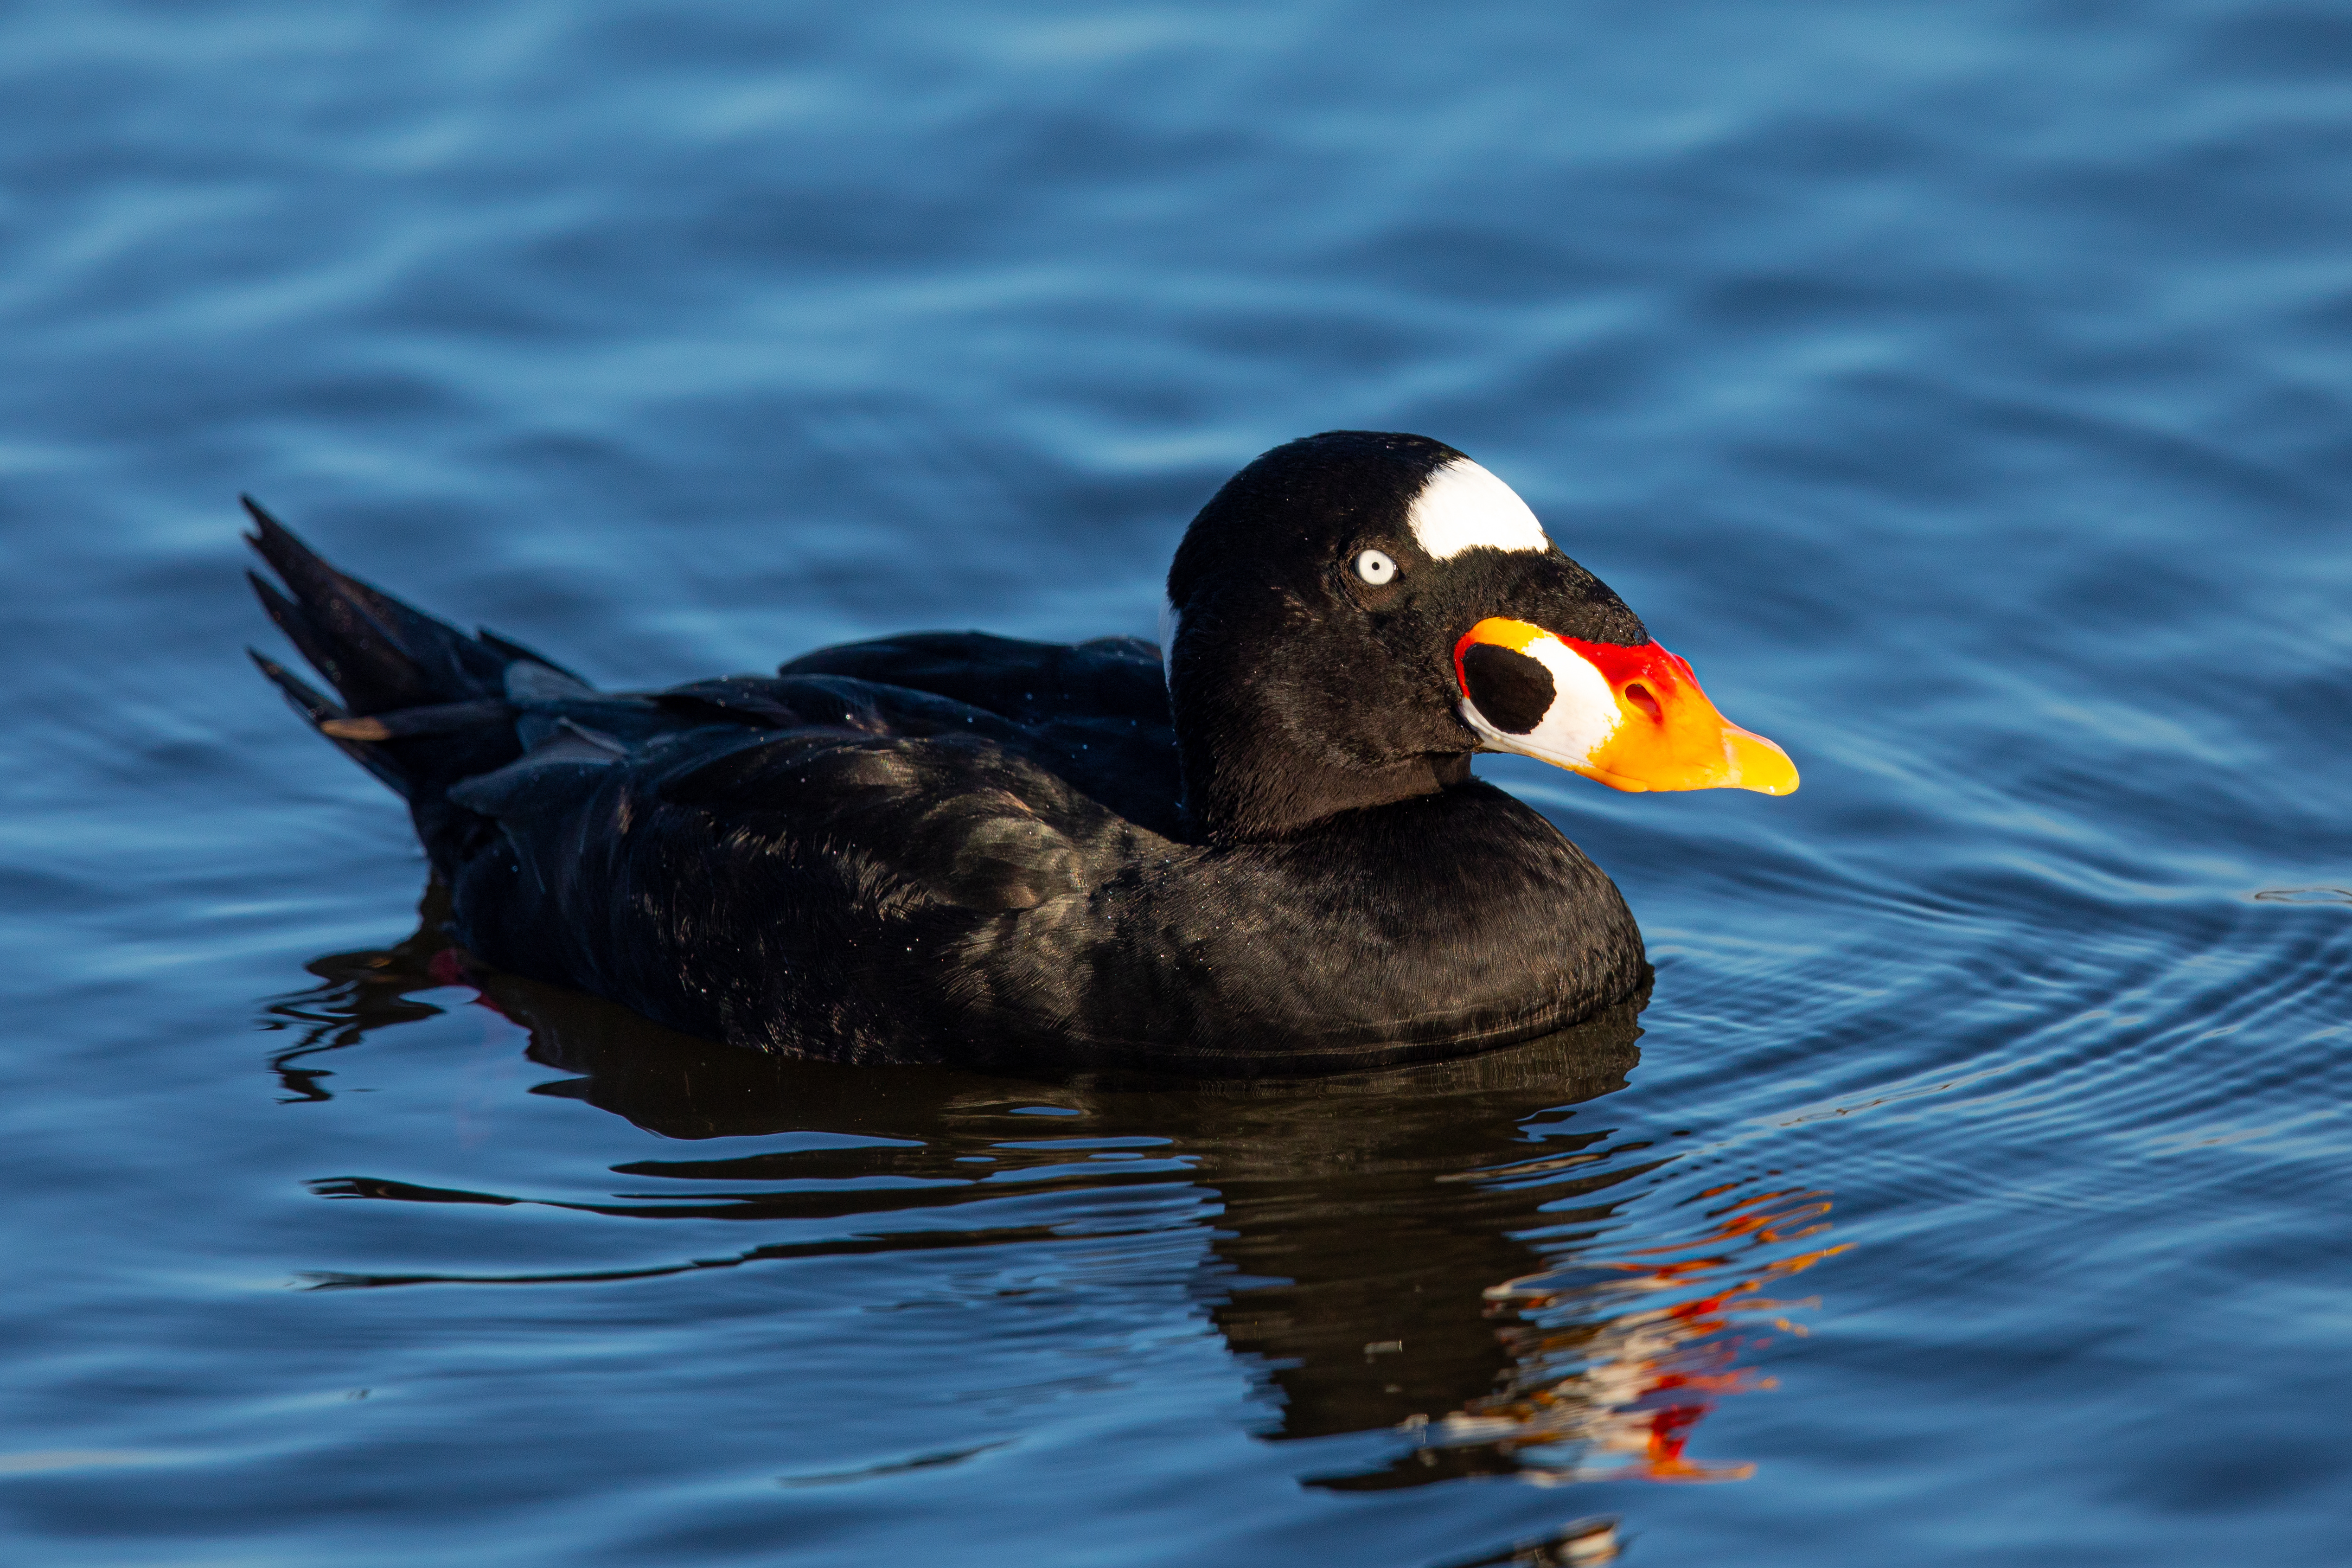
column 1961, row 388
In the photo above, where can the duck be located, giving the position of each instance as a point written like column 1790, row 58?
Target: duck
column 1257, row 849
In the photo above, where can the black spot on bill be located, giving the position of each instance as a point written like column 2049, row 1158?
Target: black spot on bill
column 1511, row 689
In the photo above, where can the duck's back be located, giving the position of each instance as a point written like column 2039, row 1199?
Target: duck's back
column 809, row 862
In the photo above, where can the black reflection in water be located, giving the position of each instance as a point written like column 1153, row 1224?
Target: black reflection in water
column 1449, row 1251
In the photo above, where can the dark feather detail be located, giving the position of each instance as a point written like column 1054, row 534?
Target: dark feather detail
column 423, row 705
column 510, row 648
column 440, row 718
column 378, row 652
column 1030, row 682
column 325, row 716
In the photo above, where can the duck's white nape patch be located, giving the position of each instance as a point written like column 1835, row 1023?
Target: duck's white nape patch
column 1168, row 621
column 1461, row 506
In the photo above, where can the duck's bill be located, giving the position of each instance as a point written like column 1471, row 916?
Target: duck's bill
column 1633, row 718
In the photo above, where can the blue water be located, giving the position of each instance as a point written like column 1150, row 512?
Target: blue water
column 1962, row 388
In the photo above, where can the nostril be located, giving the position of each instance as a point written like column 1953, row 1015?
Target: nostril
column 1639, row 696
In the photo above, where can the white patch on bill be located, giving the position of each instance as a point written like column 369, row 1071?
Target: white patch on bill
column 1461, row 506
column 1582, row 715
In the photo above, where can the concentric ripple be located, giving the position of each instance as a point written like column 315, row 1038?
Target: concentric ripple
column 1961, row 389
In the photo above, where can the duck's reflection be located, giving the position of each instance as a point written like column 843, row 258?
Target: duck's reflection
column 1452, row 1252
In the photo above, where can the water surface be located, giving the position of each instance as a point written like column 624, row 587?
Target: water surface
column 1961, row 389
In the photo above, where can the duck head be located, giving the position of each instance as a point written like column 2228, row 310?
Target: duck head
column 1354, row 614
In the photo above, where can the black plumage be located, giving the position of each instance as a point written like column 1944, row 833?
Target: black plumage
column 958, row 846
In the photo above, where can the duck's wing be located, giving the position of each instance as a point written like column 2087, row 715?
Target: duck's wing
column 1029, row 682
column 1095, row 713
column 791, row 885
column 922, row 783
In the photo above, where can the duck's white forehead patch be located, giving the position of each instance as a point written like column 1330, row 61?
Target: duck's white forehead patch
column 1462, row 506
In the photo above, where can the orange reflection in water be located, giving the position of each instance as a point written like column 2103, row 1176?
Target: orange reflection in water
column 1620, row 1358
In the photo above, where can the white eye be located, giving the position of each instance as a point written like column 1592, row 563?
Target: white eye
column 1375, row 568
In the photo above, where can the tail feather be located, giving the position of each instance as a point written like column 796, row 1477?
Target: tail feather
column 513, row 650
column 307, row 701
column 421, row 703
column 316, row 650
column 379, row 653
